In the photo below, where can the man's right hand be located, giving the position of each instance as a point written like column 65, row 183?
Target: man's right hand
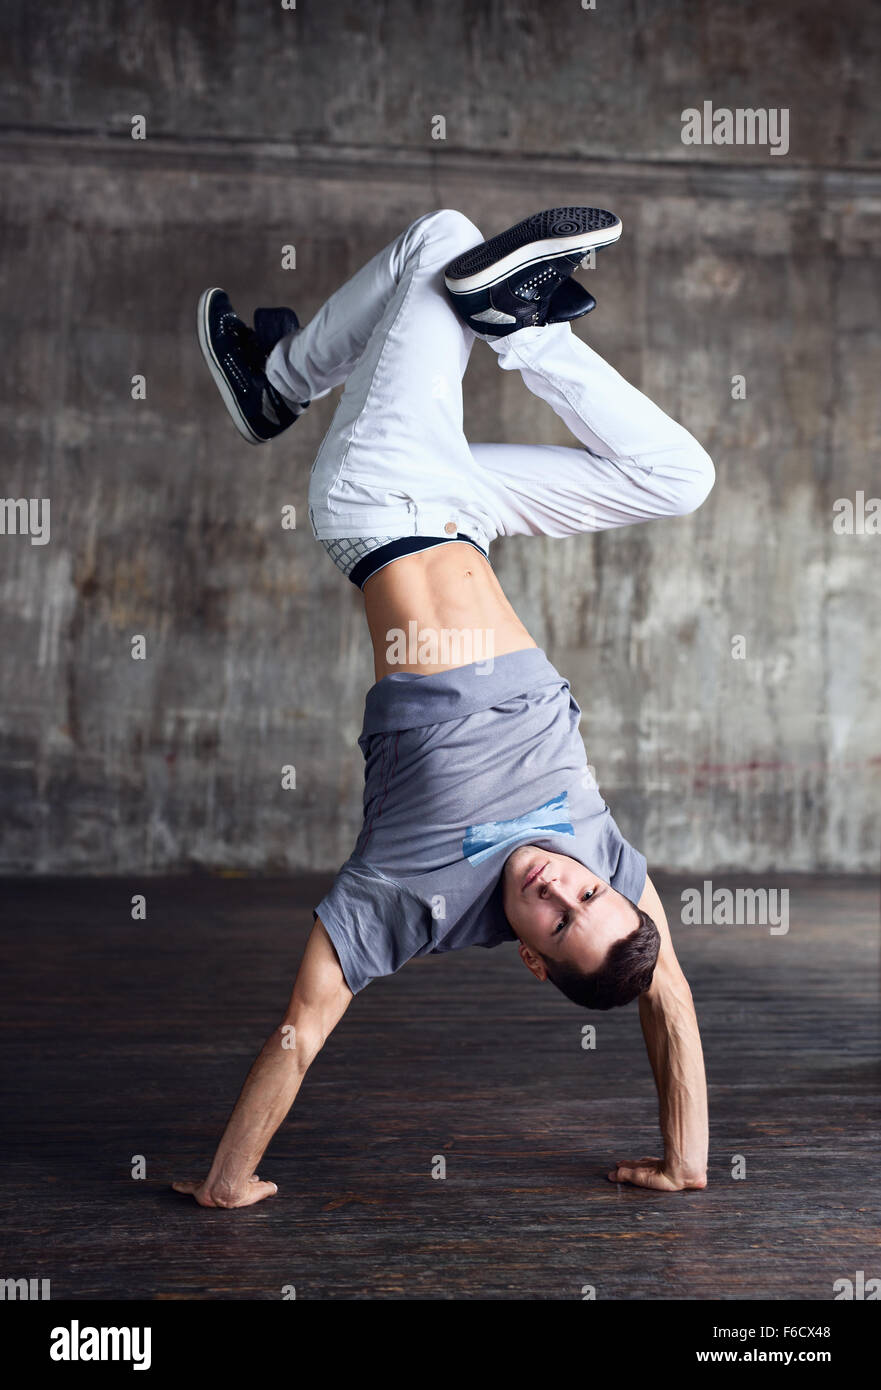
column 253, row 1191
column 320, row 998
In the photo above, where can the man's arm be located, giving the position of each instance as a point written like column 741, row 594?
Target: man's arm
column 672, row 1039
column 320, row 998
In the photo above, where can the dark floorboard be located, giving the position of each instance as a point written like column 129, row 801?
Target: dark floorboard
column 122, row 1038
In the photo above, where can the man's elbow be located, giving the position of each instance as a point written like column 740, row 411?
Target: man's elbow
column 310, row 1041
column 668, row 990
column 302, row 1039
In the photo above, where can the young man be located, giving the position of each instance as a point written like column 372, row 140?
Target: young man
column 482, row 821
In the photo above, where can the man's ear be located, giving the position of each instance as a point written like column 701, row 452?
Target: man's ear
column 533, row 961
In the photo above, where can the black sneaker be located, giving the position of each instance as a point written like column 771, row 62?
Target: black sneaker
column 569, row 301
column 509, row 282
column 236, row 357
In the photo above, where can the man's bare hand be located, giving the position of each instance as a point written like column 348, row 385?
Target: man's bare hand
column 652, row 1172
column 253, row 1191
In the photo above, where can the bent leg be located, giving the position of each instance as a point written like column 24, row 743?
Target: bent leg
column 322, row 354
column 636, row 463
column 395, row 460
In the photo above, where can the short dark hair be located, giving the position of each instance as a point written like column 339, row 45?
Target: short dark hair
column 625, row 973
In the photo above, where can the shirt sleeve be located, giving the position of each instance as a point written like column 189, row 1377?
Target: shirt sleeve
column 629, row 874
column 374, row 924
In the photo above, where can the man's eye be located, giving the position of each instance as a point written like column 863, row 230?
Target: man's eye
column 586, row 897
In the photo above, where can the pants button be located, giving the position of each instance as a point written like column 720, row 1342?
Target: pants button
column 451, row 528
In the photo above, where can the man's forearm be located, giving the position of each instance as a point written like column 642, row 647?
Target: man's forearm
column 672, row 1039
column 266, row 1097
column 320, row 998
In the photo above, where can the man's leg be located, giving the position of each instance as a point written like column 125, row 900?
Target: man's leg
column 395, row 459
column 636, row 463
column 311, row 361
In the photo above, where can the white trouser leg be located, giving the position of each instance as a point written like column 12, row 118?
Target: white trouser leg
column 313, row 360
column 636, row 463
column 395, row 459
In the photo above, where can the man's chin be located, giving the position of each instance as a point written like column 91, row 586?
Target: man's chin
column 520, row 853
column 515, row 858
column 513, row 871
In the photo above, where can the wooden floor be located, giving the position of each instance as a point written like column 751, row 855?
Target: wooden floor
column 125, row 1038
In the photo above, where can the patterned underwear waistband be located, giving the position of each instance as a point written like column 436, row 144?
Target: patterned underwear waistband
column 360, row 557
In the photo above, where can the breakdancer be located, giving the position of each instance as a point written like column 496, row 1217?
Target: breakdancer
column 482, row 820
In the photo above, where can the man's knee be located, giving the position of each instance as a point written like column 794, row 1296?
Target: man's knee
column 453, row 228
column 694, row 484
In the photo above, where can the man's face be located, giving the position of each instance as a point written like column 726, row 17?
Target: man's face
column 560, row 909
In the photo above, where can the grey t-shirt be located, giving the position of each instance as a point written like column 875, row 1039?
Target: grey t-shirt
column 460, row 769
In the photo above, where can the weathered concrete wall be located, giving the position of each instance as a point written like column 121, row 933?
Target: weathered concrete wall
column 268, row 127
column 515, row 76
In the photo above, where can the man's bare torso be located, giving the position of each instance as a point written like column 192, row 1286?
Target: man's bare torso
column 457, row 605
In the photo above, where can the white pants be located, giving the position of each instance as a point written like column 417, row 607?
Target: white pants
column 395, row 460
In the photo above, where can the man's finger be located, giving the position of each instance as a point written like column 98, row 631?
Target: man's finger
column 639, row 1176
column 624, row 1173
column 186, row 1185
column 624, row 1170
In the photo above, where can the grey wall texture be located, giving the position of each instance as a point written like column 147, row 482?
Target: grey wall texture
column 727, row 663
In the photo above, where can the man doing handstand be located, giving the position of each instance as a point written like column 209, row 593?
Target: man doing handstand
column 482, row 820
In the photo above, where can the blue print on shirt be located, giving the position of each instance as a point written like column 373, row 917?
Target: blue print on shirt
column 483, row 840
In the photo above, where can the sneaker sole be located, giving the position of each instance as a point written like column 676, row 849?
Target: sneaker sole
column 227, row 394
column 545, row 236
